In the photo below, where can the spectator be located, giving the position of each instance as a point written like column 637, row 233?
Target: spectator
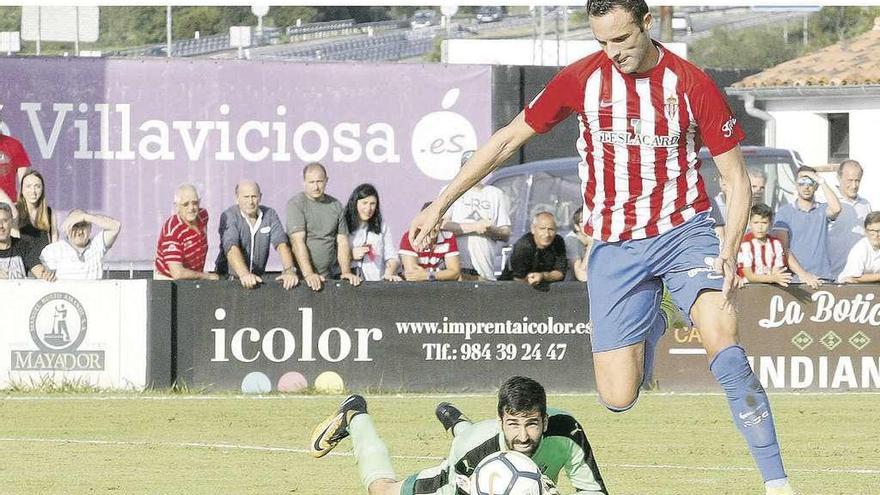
column 14, row 163
column 802, row 226
column 440, row 261
column 538, row 257
column 373, row 251
column 863, row 262
column 758, row 179
column 762, row 258
column 17, row 257
column 247, row 231
column 81, row 257
column 480, row 218
column 318, row 232
column 183, row 241
column 36, row 221
column 848, row 228
column 577, row 248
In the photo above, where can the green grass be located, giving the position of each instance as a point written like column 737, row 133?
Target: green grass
column 197, row 444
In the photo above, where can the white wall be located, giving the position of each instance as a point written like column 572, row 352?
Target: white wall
column 864, row 146
column 801, row 125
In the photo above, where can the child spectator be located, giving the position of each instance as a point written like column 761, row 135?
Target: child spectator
column 762, row 258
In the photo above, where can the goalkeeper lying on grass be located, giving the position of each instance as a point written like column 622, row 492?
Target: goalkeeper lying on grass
column 553, row 439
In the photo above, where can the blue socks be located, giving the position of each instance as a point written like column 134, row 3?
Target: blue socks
column 751, row 409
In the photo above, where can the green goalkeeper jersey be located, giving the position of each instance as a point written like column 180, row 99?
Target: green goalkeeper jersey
column 563, row 447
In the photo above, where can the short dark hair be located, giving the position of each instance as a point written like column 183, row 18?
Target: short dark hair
column 312, row 165
column 360, row 192
column 8, row 209
column 806, row 168
column 762, row 210
column 519, row 394
column 873, row 217
column 577, row 218
column 637, row 8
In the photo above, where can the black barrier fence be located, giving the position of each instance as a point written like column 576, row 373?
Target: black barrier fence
column 393, row 337
column 460, row 337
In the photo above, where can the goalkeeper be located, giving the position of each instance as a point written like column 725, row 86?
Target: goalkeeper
column 553, row 439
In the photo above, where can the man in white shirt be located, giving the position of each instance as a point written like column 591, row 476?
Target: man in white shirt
column 80, row 256
column 863, row 262
column 479, row 219
column 847, row 229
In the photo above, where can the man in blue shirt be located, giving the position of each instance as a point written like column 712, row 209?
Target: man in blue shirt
column 802, row 226
column 247, row 230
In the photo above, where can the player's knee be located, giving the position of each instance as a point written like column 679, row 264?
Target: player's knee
column 619, row 402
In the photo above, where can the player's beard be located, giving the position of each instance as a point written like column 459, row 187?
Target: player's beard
column 528, row 449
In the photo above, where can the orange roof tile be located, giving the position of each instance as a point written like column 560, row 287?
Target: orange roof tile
column 852, row 62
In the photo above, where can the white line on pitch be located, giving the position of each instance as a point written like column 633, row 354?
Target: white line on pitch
column 453, row 395
column 265, row 448
column 687, row 350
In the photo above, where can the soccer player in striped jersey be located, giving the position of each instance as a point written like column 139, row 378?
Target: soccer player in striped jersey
column 762, row 257
column 643, row 115
column 553, row 439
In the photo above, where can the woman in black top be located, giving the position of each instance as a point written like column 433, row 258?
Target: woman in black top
column 36, row 222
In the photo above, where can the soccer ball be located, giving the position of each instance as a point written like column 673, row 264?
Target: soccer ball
column 506, row 473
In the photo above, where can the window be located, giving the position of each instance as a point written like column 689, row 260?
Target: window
column 558, row 192
column 838, row 137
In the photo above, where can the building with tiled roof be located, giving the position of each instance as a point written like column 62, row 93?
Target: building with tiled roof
column 825, row 105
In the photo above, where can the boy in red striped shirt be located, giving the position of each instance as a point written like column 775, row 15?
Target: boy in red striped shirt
column 762, row 257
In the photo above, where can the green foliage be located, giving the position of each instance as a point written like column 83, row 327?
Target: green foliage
column 288, row 15
column 758, row 48
column 436, row 53
column 10, row 18
column 833, row 24
column 765, row 46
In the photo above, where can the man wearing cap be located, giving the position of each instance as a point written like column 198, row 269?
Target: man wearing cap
column 247, row 231
column 802, row 226
column 81, row 256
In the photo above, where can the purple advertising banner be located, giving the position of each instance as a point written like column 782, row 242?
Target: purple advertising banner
column 118, row 136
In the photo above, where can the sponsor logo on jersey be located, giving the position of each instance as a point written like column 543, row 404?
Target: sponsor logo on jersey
column 636, row 139
column 727, row 127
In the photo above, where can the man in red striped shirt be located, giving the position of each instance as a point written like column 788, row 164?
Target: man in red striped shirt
column 183, row 241
column 644, row 113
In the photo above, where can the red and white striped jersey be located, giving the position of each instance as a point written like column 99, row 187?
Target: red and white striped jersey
column 434, row 258
column 180, row 243
column 760, row 257
column 639, row 138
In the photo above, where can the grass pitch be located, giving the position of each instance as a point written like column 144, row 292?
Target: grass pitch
column 213, row 445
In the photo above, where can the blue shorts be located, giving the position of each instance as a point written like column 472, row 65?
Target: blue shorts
column 626, row 278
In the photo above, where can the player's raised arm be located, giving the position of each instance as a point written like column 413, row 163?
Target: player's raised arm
column 500, row 146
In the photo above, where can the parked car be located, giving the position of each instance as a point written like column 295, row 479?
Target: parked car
column 490, row 14
column 424, row 18
column 554, row 186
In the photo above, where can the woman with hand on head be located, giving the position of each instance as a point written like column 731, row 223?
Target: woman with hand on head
column 373, row 251
column 36, row 221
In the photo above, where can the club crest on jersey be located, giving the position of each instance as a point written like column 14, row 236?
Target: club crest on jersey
column 670, row 108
